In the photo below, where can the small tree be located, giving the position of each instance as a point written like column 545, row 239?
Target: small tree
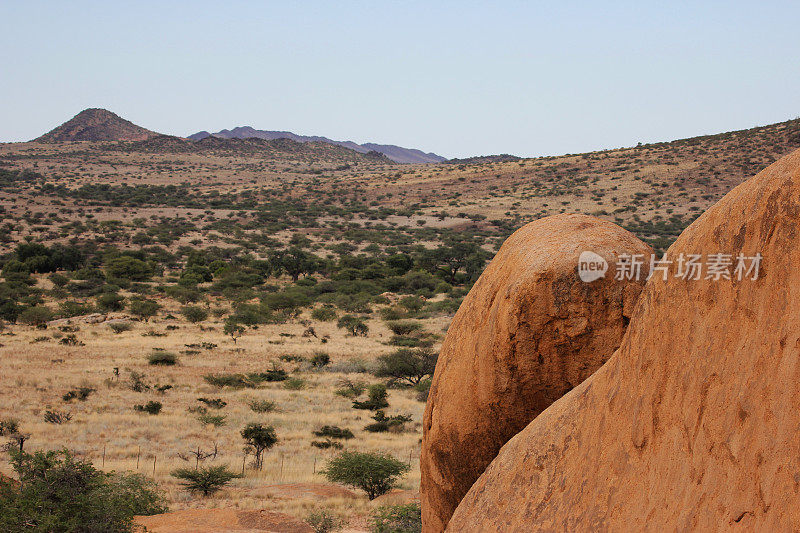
column 59, row 493
column 194, row 314
column 407, row 366
column 374, row 473
column 36, row 316
column 354, row 325
column 233, row 329
column 205, row 480
column 111, row 301
column 259, row 438
column 377, row 398
column 144, row 309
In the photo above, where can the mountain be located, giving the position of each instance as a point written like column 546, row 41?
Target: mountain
column 97, row 125
column 395, row 153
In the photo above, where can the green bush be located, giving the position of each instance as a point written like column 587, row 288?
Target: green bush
column 294, row 384
column 80, row 394
column 258, row 439
column 320, row 359
column 322, row 521
column 333, row 432
column 194, row 314
column 385, row 423
column 262, row 406
column 143, row 308
column 404, row 327
column 151, row 408
column 376, row 398
column 324, row 314
column 374, row 473
column 162, row 358
column 120, row 327
column 205, row 480
column 36, row 315
column 406, row 518
column 60, row 494
column 407, row 366
column 111, row 301
column 214, row 420
column 354, row 325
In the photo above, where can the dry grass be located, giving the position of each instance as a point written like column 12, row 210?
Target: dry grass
column 37, row 374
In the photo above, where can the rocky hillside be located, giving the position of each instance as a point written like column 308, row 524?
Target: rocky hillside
column 97, row 125
column 397, row 154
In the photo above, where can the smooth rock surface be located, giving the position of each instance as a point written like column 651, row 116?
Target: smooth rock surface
column 528, row 332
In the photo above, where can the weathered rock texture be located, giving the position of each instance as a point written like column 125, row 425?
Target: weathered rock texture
column 693, row 424
column 528, row 332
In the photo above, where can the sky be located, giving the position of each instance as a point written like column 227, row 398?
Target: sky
column 456, row 78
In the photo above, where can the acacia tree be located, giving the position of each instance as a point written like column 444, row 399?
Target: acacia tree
column 407, row 365
column 259, row 438
column 374, row 473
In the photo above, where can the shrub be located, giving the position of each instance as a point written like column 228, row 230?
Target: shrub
column 322, row 521
column 262, row 406
column 70, row 308
column 57, row 417
column 327, row 444
column 406, row 518
column 111, row 302
column 233, row 329
column 258, row 439
column 333, row 432
column 194, row 314
column 80, row 394
column 214, row 403
column 423, row 388
column 376, row 398
column 407, row 365
column 151, row 408
column 59, row 493
column 387, row 423
column 36, row 315
column 8, row 426
column 162, row 358
column 235, row 381
column 214, row 420
column 404, row 327
column 143, row 308
column 120, row 327
column 350, row 389
column 374, row 473
column 129, row 268
column 205, row 480
column 294, row 384
column 354, row 325
column 324, row 314
column 71, row 340
column 320, row 360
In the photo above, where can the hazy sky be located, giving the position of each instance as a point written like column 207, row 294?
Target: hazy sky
column 457, row 78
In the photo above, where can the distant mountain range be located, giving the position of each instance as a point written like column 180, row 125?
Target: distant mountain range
column 395, row 153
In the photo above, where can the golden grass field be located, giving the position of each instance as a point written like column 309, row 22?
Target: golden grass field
column 37, row 371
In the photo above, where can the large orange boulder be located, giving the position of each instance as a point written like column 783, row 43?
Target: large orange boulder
column 694, row 424
column 529, row 331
